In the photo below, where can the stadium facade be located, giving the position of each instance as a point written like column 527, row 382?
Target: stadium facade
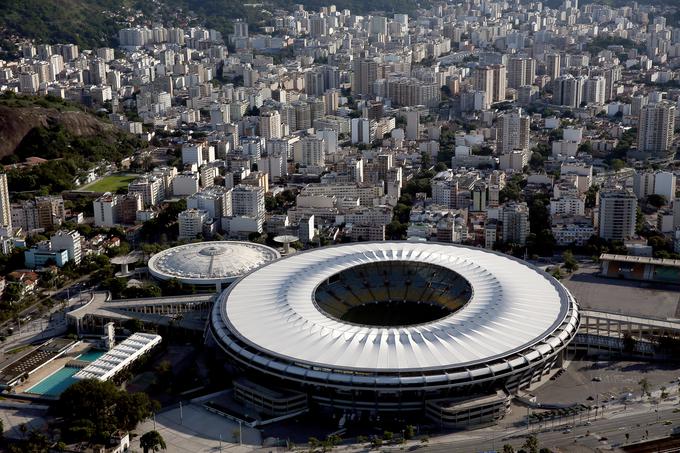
column 394, row 328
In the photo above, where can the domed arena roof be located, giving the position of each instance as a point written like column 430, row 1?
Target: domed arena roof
column 210, row 263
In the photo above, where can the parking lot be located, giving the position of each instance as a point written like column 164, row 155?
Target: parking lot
column 623, row 296
column 584, row 379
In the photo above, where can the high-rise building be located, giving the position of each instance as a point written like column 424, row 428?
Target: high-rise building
column 552, row 63
column 248, row 201
column 515, row 218
column 51, row 211
column 665, row 184
column 311, row 152
column 594, row 90
column 643, row 184
column 105, row 210
column 413, row 124
column 191, row 223
column 150, row 188
column 492, row 80
column 331, row 100
column 69, row 241
column 482, row 80
column 512, row 132
column 611, row 76
column 568, row 90
column 618, row 210
column 5, row 209
column 240, row 28
column 303, row 115
column 521, row 72
column 270, row 125
column 364, row 73
column 407, row 91
column 29, row 82
column 314, row 83
column 363, row 130
column 655, row 129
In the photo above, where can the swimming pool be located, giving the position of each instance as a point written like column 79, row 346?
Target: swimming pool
column 55, row 383
column 91, row 355
column 60, row 380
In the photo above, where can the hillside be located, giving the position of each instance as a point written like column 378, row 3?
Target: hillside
column 70, row 139
column 88, row 23
column 17, row 122
column 95, row 23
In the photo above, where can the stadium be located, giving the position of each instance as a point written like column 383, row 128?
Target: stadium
column 210, row 265
column 393, row 329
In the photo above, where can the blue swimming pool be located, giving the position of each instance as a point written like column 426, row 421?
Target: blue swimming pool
column 55, row 383
column 91, row 356
column 60, row 380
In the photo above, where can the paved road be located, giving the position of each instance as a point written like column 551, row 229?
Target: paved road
column 602, row 433
column 63, row 293
column 50, row 324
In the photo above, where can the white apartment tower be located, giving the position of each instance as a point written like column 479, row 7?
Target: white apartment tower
column 512, row 132
column 5, row 209
column 655, row 130
column 618, row 210
column 69, row 241
column 270, row 125
column 248, row 201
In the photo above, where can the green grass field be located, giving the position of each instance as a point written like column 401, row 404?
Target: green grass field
column 110, row 183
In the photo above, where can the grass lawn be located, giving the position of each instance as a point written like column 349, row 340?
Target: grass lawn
column 110, row 183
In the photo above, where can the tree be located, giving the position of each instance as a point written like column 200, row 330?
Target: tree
column 570, row 263
column 152, row 441
column 92, row 410
column 617, row 164
column 507, row 448
column 591, row 196
column 656, row 200
column 644, row 386
column 531, row 444
column 23, row 429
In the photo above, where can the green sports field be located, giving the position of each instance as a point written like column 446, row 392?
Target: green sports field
column 110, row 183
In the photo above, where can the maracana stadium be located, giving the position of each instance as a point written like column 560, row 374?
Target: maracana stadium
column 394, row 329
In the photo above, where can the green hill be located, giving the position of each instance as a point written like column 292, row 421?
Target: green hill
column 95, row 23
column 88, row 23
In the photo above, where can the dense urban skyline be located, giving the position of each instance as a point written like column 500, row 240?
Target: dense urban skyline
column 176, row 181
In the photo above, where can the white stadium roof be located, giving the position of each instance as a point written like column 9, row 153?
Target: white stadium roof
column 515, row 309
column 122, row 355
column 204, row 263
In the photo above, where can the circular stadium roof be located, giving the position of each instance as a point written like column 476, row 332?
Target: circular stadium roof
column 514, row 312
column 210, row 263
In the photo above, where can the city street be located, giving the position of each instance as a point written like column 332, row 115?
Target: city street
column 49, row 324
column 604, row 432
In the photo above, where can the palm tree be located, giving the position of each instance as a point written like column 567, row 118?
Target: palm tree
column 152, row 441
